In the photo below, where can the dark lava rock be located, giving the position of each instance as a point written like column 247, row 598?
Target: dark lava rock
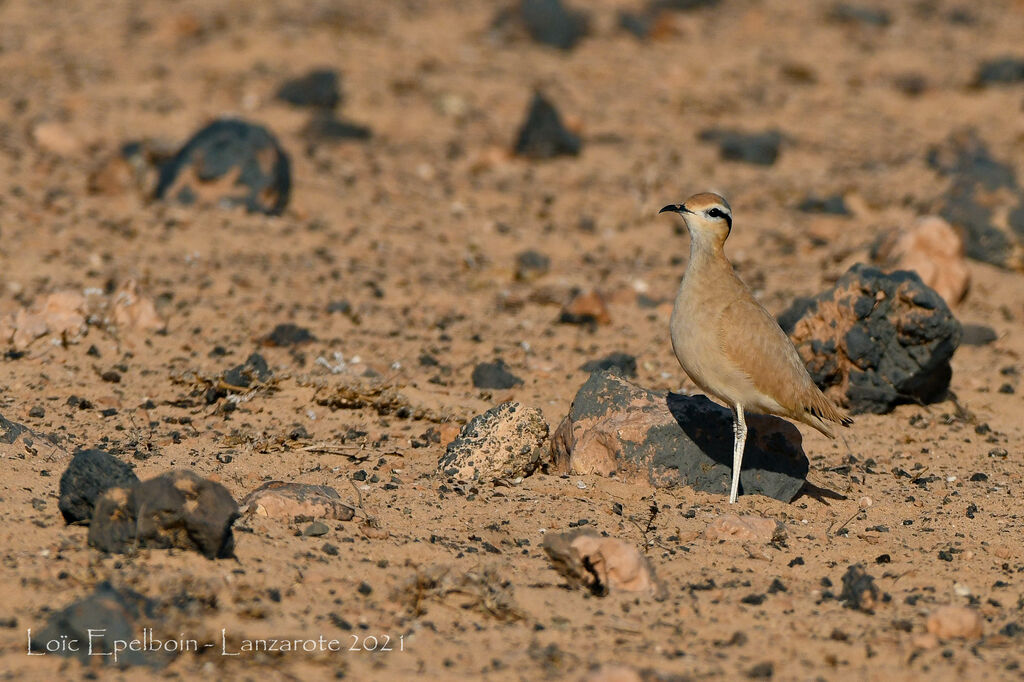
column 874, row 341
column 682, row 5
column 831, row 205
column 619, row 362
column 288, row 334
column 10, row 431
column 326, row 127
column 318, row 89
column 225, row 149
column 177, row 509
column 762, row 671
column 494, row 375
column 531, row 264
column 316, row 529
column 1000, row 71
column 640, row 24
column 109, row 614
column 978, row 335
column 845, row 13
column 757, row 148
column 255, row 369
column 670, row 439
column 505, row 442
column 548, row 22
column 542, row 135
column 859, row 591
column 981, row 189
column 89, row 474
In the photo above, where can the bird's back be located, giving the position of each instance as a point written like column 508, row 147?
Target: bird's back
column 737, row 351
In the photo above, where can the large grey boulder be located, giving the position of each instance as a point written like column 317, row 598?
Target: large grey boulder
column 616, row 427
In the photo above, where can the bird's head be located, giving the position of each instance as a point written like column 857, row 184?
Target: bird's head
column 708, row 217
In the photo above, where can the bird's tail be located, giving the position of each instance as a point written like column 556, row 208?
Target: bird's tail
column 819, row 410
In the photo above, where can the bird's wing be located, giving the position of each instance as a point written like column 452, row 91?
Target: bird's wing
column 752, row 339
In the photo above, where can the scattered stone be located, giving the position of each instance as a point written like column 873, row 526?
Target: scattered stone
column 288, row 334
column 761, row 671
column 56, row 138
column 254, row 370
column 548, row 22
column 830, row 205
column 602, row 564
column 280, row 500
column 89, row 474
column 372, row 529
column 494, row 375
column 977, row 335
column 133, row 167
column 954, row 622
column 505, row 442
column 61, row 314
column 733, row 145
column 746, row 529
column 318, row 89
column 655, row 20
column 316, row 529
column 66, row 316
column 530, row 265
column 911, row 84
column 1002, row 71
column 859, row 590
column 37, row 412
column 177, row 509
column 229, row 162
column 640, row 24
column 325, row 126
column 586, row 308
column 542, row 135
column 932, row 249
column 619, row 362
column 984, row 200
column 874, row 341
column 107, row 616
column 10, row 431
column 669, row 439
column 845, row 13
column 130, row 311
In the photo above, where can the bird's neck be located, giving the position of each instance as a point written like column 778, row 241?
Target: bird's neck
column 706, row 252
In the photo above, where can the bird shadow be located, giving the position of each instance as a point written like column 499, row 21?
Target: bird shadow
column 816, row 492
column 774, row 446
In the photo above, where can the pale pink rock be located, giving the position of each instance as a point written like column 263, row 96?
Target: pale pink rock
column 745, row 529
column 935, row 251
column 602, row 564
column 949, row 622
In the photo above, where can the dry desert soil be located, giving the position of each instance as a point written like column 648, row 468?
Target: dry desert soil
column 398, row 254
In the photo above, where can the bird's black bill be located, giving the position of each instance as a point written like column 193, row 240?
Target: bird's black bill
column 675, row 208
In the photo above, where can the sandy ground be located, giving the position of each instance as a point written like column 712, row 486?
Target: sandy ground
column 417, row 229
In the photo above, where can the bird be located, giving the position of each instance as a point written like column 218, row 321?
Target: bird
column 729, row 345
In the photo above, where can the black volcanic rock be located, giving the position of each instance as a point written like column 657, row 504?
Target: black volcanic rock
column 229, row 148
column 542, row 135
column 318, row 89
column 89, row 474
column 876, row 340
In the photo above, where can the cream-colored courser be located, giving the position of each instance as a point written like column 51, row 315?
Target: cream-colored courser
column 731, row 347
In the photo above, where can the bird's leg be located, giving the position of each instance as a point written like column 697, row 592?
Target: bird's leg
column 739, row 441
